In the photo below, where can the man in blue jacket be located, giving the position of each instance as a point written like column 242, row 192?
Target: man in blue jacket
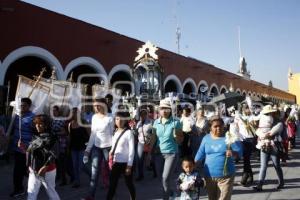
column 22, row 135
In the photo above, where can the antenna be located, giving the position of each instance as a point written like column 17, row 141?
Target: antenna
column 178, row 30
column 239, row 39
column 178, row 36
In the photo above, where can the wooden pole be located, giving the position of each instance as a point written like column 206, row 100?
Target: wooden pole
column 37, row 81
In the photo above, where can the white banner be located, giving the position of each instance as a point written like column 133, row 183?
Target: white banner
column 37, row 92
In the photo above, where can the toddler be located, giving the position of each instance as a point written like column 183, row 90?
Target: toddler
column 189, row 181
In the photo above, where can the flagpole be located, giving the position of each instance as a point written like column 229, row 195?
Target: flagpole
column 37, row 81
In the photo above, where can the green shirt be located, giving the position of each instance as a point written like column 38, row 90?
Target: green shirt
column 165, row 134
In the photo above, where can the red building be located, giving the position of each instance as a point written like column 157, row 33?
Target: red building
column 33, row 37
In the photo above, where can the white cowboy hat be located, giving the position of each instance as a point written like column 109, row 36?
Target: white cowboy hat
column 164, row 104
column 267, row 109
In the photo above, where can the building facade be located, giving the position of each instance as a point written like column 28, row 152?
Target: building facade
column 294, row 85
column 33, row 38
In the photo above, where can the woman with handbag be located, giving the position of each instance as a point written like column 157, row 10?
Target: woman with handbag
column 169, row 134
column 270, row 151
column 121, row 156
column 144, row 134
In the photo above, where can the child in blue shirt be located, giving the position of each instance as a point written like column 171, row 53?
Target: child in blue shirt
column 189, row 181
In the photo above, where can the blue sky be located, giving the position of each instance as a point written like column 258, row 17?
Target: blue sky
column 270, row 29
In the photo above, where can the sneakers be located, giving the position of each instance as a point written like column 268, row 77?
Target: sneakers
column 15, row 194
column 244, row 179
column 258, row 188
column 250, row 179
column 280, row 186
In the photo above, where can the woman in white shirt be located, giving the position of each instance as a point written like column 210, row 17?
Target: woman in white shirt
column 122, row 154
column 99, row 143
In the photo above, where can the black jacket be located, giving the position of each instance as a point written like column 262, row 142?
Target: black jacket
column 40, row 151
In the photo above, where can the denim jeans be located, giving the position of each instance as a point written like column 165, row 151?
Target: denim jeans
column 140, row 157
column 166, row 162
column 98, row 155
column 77, row 157
column 264, row 159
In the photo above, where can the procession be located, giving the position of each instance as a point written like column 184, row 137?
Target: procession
column 161, row 126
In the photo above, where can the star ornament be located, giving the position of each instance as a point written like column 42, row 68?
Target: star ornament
column 147, row 48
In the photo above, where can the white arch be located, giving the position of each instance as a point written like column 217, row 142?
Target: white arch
column 190, row 80
column 202, row 82
column 30, row 51
column 238, row 90
column 176, row 80
column 223, row 87
column 254, row 94
column 214, row 85
column 118, row 68
column 249, row 93
column 244, row 92
column 84, row 61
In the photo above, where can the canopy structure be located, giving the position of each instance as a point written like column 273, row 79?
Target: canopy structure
column 228, row 98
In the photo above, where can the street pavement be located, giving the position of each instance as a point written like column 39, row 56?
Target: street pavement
column 150, row 188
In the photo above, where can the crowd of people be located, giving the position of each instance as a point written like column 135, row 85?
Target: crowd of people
column 110, row 143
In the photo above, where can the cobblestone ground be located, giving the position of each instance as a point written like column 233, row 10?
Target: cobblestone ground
column 150, row 188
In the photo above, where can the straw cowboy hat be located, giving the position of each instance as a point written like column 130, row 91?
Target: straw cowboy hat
column 268, row 109
column 164, row 104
